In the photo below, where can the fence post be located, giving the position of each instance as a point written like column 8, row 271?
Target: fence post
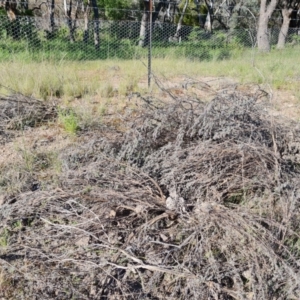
column 150, row 43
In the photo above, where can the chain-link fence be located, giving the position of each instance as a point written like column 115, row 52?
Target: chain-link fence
column 87, row 40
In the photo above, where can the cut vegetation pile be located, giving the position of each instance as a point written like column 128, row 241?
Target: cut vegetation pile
column 18, row 112
column 186, row 200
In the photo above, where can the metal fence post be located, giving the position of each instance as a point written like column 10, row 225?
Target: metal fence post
column 150, row 44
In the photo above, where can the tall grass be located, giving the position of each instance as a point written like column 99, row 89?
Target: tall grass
column 77, row 79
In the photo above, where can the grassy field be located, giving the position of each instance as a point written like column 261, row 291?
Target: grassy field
column 105, row 78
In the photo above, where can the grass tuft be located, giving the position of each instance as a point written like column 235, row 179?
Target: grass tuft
column 69, row 121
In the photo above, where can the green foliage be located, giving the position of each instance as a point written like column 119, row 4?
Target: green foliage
column 295, row 39
column 294, row 244
column 244, row 15
column 69, row 120
column 118, row 40
column 17, row 225
column 113, row 48
column 190, row 16
column 2, row 11
column 192, row 13
column 115, row 9
column 4, row 236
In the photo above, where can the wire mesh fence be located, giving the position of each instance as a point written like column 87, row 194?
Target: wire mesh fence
column 101, row 39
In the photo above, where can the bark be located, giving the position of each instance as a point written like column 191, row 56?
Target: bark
column 286, row 15
column 86, row 23
column 208, row 23
column 96, row 24
column 265, row 12
column 51, row 16
column 179, row 25
column 263, row 42
column 71, row 12
column 144, row 25
column 68, row 12
column 209, row 17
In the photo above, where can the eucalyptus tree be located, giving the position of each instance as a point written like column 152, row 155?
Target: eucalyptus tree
column 86, row 12
column 144, row 23
column 51, row 9
column 71, row 9
column 96, row 24
column 14, row 10
column 180, row 21
column 288, row 9
column 210, row 15
column 266, row 10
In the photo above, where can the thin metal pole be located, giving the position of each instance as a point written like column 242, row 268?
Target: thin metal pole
column 150, row 44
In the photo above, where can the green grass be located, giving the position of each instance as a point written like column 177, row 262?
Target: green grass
column 4, row 237
column 69, row 121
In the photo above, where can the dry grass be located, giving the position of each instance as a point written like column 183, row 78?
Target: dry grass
column 116, row 79
column 96, row 88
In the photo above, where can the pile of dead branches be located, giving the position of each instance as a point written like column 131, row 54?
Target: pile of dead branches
column 195, row 201
column 18, row 112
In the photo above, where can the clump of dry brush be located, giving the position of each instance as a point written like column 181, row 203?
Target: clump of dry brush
column 18, row 112
column 194, row 201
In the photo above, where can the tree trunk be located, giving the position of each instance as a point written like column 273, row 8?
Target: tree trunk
column 68, row 12
column 96, row 25
column 208, row 23
column 179, row 25
column 286, row 14
column 86, row 23
column 72, row 14
column 265, row 12
column 209, row 16
column 51, row 16
column 263, row 42
column 144, row 25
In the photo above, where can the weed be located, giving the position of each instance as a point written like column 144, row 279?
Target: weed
column 4, row 237
column 28, row 159
column 87, row 190
column 69, row 121
column 5, row 284
column 294, row 244
column 108, row 91
column 102, row 110
column 17, row 225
